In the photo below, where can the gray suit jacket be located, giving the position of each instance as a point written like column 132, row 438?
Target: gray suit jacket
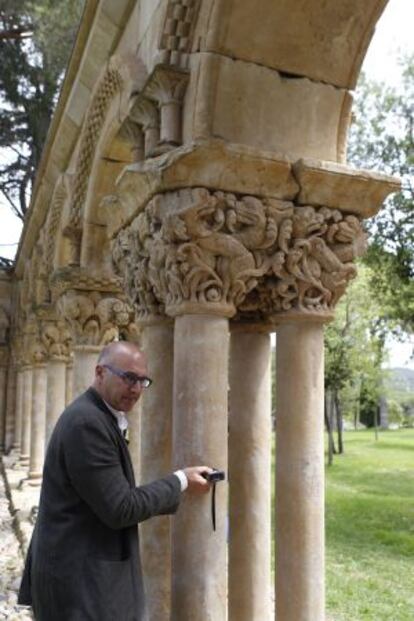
column 83, row 561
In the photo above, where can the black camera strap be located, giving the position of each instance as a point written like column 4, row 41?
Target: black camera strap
column 214, row 477
column 213, row 506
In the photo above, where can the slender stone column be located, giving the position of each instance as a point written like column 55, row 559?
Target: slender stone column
column 84, row 363
column 300, row 473
column 38, row 429
column 3, row 402
column 69, row 382
column 55, row 399
column 250, row 477
column 156, row 441
column 26, row 414
column 199, row 572
column 19, row 411
column 10, row 421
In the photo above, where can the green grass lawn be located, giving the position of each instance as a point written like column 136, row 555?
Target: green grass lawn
column 370, row 528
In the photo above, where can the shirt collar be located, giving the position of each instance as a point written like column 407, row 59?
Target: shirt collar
column 120, row 416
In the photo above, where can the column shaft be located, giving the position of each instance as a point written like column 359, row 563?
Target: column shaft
column 156, row 443
column 300, row 473
column 250, row 477
column 38, row 430
column 26, row 414
column 199, row 574
column 69, row 383
column 19, row 411
column 55, row 399
column 3, row 404
column 84, row 362
column 10, row 421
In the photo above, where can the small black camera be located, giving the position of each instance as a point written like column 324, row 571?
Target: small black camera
column 215, row 476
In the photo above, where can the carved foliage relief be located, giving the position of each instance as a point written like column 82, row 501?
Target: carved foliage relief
column 95, row 319
column 195, row 251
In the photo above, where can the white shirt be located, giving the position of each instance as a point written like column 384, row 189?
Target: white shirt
column 122, row 421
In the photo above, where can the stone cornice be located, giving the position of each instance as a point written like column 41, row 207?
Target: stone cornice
column 217, row 165
column 342, row 187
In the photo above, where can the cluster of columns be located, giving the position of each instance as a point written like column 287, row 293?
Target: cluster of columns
column 42, row 388
column 211, row 404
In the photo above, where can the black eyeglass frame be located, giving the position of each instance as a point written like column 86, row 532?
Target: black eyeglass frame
column 129, row 377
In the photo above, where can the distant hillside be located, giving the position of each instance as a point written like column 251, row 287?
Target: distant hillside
column 401, row 380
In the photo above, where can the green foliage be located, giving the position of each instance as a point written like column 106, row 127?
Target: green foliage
column 382, row 138
column 35, row 40
column 354, row 350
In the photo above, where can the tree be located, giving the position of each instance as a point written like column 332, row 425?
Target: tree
column 382, row 137
column 354, row 352
column 35, row 40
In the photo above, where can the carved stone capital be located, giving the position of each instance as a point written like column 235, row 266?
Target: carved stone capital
column 196, row 251
column 95, row 319
column 56, row 339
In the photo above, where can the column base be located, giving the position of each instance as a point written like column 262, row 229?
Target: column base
column 34, row 479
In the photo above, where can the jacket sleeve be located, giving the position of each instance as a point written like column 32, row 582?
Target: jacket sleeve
column 94, row 468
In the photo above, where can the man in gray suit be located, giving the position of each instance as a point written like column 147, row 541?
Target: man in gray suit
column 83, row 561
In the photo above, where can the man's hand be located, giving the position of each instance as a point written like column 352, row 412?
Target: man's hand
column 197, row 484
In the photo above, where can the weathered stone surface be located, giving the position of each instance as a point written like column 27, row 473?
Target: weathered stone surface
column 14, row 519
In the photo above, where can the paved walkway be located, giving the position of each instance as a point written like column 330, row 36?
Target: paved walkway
column 11, row 555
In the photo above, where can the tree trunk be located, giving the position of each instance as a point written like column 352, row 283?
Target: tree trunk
column 329, row 426
column 339, row 423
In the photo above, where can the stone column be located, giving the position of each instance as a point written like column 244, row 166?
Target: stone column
column 3, row 397
column 26, row 414
column 56, row 392
column 300, row 473
column 84, row 363
column 250, row 477
column 38, row 426
column 10, row 419
column 156, row 423
column 19, row 411
column 69, row 382
column 199, row 555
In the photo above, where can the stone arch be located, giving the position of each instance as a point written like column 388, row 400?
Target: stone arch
column 102, row 154
column 305, row 58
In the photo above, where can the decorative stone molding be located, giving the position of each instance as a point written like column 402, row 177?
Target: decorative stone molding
column 54, row 217
column 95, row 319
column 177, row 34
column 196, row 251
column 68, row 278
column 108, row 87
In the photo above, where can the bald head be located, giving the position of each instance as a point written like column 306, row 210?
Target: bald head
column 119, row 349
column 115, row 360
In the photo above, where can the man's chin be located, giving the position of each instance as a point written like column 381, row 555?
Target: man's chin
column 129, row 405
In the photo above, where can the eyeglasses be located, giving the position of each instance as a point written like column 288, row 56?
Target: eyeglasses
column 129, row 377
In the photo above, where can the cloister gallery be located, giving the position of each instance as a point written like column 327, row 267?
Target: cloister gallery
column 194, row 196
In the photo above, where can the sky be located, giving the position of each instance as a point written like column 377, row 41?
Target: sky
column 394, row 36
